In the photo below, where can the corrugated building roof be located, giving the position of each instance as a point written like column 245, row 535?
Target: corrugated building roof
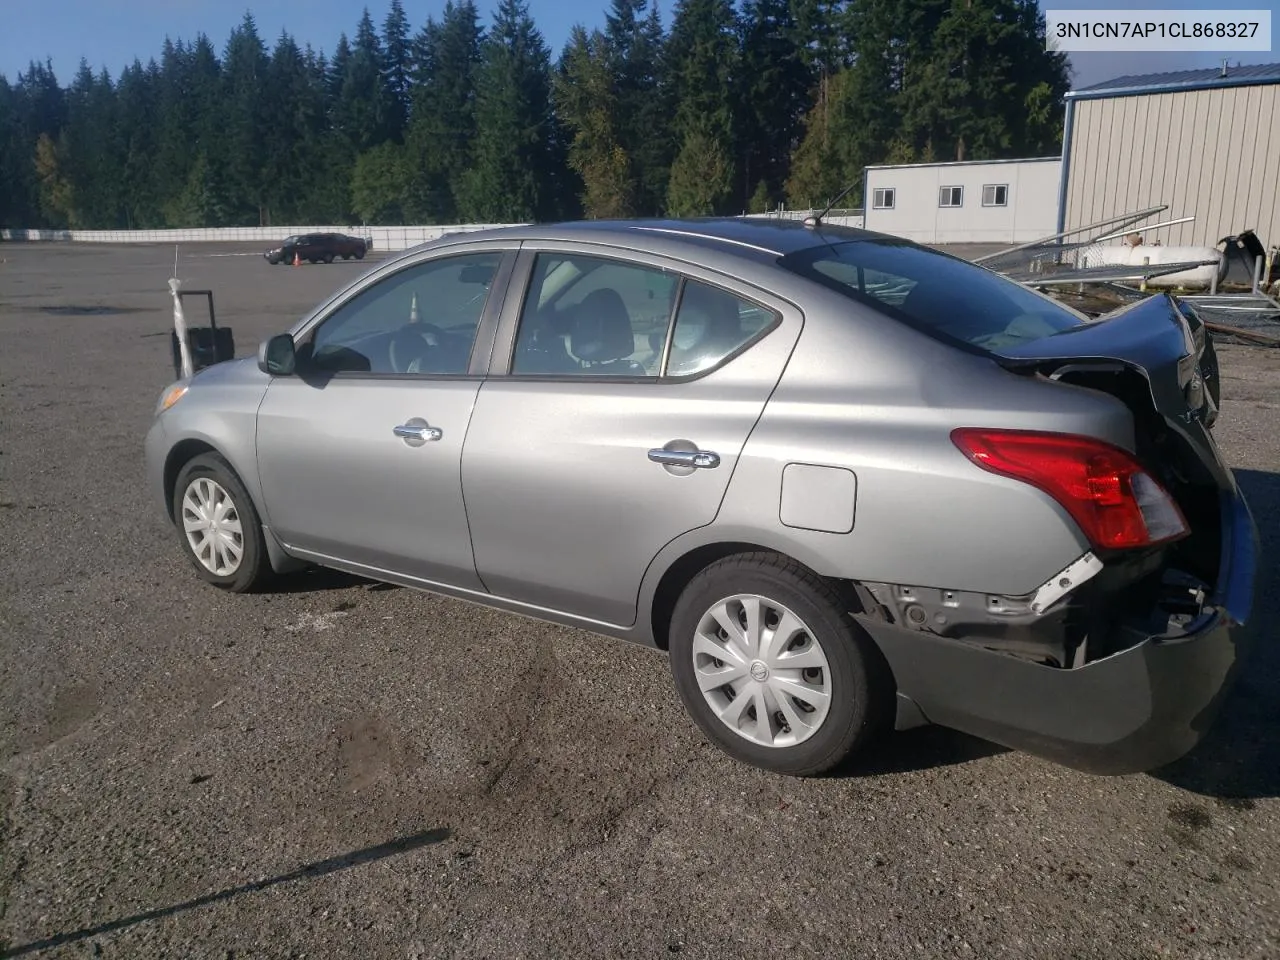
column 1231, row 76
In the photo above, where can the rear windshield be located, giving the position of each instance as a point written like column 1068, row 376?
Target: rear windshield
column 943, row 296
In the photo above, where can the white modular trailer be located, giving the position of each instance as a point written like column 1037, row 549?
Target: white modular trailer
column 984, row 201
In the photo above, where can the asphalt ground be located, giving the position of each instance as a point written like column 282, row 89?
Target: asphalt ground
column 343, row 770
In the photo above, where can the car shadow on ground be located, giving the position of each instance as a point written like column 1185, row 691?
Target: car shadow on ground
column 319, row 579
column 307, row 871
column 923, row 748
column 1239, row 759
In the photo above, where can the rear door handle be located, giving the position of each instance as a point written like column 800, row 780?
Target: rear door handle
column 417, row 431
column 685, row 458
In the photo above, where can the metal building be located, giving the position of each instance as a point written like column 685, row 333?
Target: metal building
column 985, row 201
column 1205, row 142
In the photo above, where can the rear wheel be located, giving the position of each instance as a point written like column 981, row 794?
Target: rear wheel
column 218, row 525
column 328, row 258
column 359, row 254
column 773, row 668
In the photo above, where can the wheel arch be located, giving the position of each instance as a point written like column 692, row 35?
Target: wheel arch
column 186, row 450
column 182, row 453
column 692, row 561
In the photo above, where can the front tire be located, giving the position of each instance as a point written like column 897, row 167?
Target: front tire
column 218, row 526
column 772, row 667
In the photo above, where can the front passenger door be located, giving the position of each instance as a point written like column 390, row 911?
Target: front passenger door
column 360, row 455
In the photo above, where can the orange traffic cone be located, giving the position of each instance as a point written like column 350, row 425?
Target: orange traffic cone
column 297, row 260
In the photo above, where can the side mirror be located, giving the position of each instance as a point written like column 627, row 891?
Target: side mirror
column 276, row 356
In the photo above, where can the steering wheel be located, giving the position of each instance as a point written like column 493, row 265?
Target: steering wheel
column 411, row 344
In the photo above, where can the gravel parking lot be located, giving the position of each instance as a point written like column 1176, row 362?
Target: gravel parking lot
column 345, row 770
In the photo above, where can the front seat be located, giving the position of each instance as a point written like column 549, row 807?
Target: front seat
column 602, row 337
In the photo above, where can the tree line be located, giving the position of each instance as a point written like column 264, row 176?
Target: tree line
column 732, row 108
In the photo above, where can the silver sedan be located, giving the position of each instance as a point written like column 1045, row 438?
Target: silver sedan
column 847, row 482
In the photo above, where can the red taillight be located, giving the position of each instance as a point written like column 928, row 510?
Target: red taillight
column 1116, row 503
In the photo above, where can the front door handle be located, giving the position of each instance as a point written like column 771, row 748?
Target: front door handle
column 685, row 458
column 417, row 431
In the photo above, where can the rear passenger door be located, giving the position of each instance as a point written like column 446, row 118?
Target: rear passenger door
column 622, row 393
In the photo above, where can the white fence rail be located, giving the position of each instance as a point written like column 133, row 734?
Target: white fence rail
column 848, row 217
column 384, row 238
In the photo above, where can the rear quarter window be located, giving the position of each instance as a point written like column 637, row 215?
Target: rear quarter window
column 943, row 296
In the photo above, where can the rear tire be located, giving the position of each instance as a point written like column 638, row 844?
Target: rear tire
column 328, row 258
column 819, row 713
column 218, row 526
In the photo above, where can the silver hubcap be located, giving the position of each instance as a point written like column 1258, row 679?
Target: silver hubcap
column 212, row 526
column 761, row 671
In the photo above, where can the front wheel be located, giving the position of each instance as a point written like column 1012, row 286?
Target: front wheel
column 218, row 525
column 772, row 667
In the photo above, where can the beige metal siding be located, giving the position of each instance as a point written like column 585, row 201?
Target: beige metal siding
column 1211, row 154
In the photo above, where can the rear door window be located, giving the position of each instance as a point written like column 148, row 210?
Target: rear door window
column 590, row 316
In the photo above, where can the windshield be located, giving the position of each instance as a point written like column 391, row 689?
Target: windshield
column 941, row 295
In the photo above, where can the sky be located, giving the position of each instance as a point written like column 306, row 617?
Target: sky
column 110, row 33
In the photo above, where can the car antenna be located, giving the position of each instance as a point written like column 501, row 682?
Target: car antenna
column 817, row 221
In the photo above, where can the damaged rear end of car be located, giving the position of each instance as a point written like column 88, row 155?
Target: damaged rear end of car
column 1119, row 662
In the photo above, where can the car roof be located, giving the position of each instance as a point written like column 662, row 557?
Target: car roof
column 764, row 239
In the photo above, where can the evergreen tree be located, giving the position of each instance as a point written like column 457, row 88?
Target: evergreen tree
column 293, row 108
column 240, row 153
column 14, row 205
column 378, row 184
column 336, row 73
column 724, row 113
column 396, row 49
column 190, row 124
column 136, row 117
column 363, row 109
column 511, row 177
column 701, row 58
column 446, row 58
column 587, row 104
column 641, row 109
column 774, row 87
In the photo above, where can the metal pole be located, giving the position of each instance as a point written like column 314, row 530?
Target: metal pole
column 180, row 328
column 1257, row 273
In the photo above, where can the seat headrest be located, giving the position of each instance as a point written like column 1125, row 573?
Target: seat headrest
column 718, row 311
column 602, row 328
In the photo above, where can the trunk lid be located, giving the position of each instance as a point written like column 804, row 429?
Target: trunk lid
column 1157, row 356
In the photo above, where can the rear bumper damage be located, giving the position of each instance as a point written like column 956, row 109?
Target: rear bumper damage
column 1138, row 708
